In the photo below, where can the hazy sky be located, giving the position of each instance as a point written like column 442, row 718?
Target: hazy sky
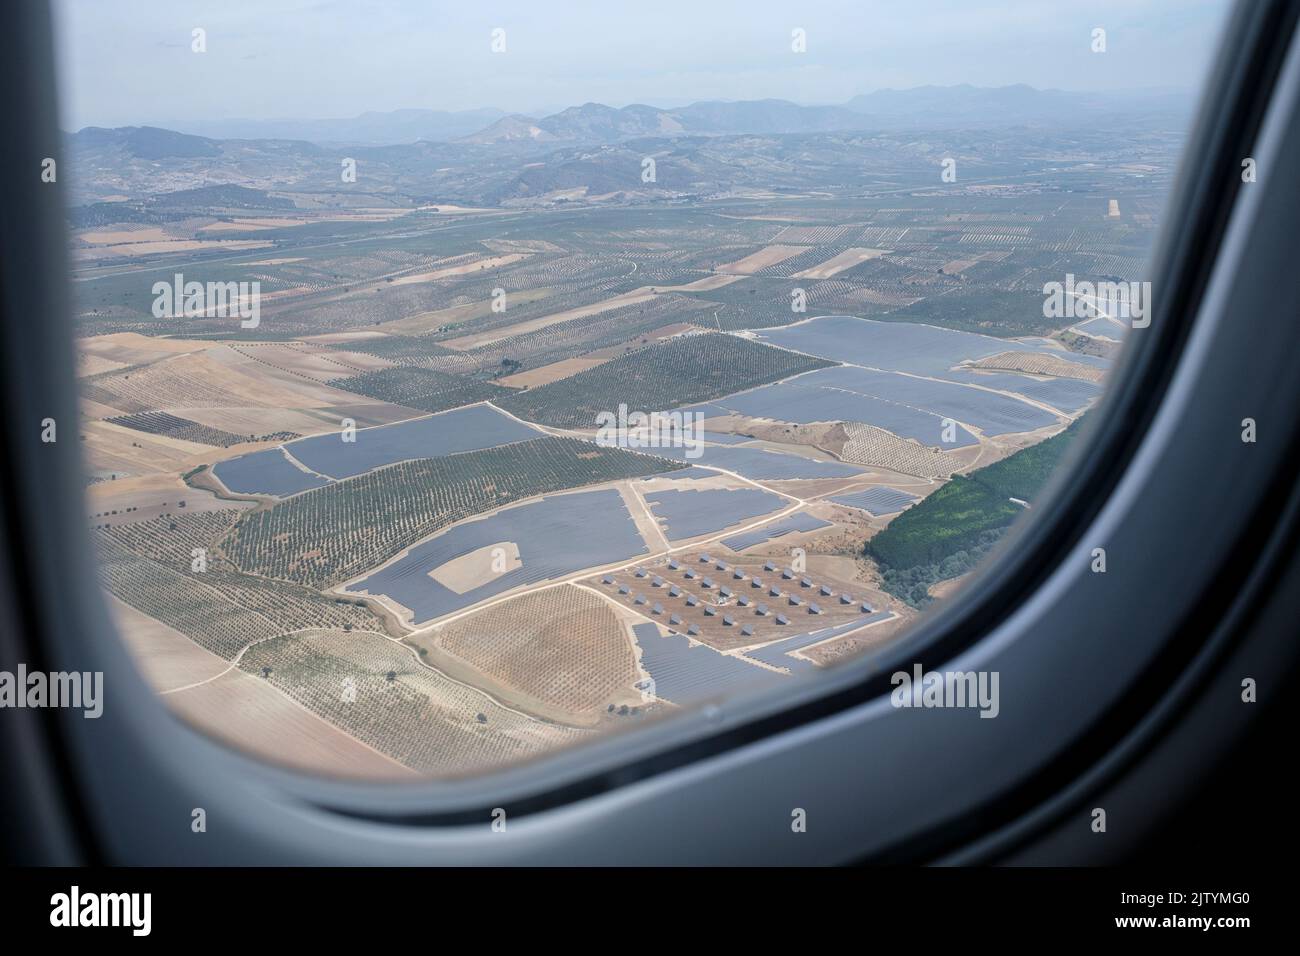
column 128, row 62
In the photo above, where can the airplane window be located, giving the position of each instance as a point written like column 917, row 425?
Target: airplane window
column 456, row 391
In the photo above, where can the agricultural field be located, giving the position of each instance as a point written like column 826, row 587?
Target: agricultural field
column 683, row 370
column 329, row 534
column 380, row 693
column 420, row 388
column 562, row 647
column 392, row 475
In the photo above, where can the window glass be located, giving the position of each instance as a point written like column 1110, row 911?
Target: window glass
column 459, row 386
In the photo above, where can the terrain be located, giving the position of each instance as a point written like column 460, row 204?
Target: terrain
column 387, row 508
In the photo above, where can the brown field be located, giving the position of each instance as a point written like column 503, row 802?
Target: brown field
column 128, row 249
column 124, row 233
column 475, row 569
column 768, row 256
column 428, row 321
column 532, row 377
column 310, row 362
column 869, row 445
column 167, row 658
column 635, row 297
column 561, row 649
column 706, row 284
column 212, row 379
column 845, row 260
column 119, row 450
column 132, row 348
column 249, row 714
column 490, row 262
column 150, row 495
column 430, row 720
column 1038, row 363
column 264, row 421
column 90, row 364
column 247, row 225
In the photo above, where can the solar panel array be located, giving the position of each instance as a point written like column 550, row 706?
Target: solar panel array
column 800, row 521
column 683, row 674
column 877, row 501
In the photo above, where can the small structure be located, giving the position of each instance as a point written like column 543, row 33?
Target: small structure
column 814, row 608
column 707, row 583
column 607, row 579
column 728, row 620
column 795, row 600
column 761, row 610
column 769, row 566
column 866, row 608
column 782, row 619
column 639, row 599
column 674, row 619
column 674, row 591
column 738, row 574
column 690, row 575
column 705, row 559
column 624, row 589
column 658, row 581
column 640, row 572
column 657, row 609
column 710, row 611
column 846, row 598
column 774, row 591
column 724, row 591
column 755, row 582
column 692, row 600
column 747, row 630
column 742, row 601
column 825, row 590
column 806, row 583
column 674, row 563
column 692, row 630
column 787, row 574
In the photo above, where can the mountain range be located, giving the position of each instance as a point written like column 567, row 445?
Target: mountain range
column 925, row 107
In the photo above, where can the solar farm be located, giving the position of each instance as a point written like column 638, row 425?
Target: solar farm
column 390, row 509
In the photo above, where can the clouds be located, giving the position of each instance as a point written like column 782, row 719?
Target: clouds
column 130, row 61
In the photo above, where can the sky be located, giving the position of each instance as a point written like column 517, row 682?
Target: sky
column 130, row 62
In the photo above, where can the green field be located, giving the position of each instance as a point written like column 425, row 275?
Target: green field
column 335, row 532
column 680, row 371
column 946, row 534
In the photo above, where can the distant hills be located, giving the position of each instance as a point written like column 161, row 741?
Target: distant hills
column 368, row 129
column 146, row 142
column 594, row 152
column 932, row 107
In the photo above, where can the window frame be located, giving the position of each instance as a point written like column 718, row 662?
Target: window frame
column 724, row 775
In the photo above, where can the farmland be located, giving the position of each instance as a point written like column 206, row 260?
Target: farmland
column 563, row 647
column 392, row 477
column 680, row 371
column 420, row 388
column 332, row 533
column 382, row 695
